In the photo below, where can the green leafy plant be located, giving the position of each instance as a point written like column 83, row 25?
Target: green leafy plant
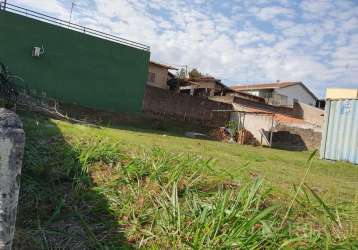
column 233, row 127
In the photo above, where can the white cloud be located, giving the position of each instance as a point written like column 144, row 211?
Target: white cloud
column 316, row 6
column 50, row 6
column 270, row 13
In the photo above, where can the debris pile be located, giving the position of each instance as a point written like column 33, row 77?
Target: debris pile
column 220, row 134
column 245, row 137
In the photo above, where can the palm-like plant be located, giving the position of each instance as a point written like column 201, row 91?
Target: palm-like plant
column 8, row 89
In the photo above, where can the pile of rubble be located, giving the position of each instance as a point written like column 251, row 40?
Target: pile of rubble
column 243, row 136
column 221, row 134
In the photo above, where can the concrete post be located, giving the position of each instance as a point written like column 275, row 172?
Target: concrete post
column 12, row 142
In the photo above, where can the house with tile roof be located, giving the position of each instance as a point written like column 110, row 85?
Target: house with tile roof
column 159, row 75
column 280, row 93
column 204, row 86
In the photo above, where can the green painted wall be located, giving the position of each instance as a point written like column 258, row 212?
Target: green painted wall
column 76, row 68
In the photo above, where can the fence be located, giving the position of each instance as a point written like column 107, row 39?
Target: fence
column 340, row 134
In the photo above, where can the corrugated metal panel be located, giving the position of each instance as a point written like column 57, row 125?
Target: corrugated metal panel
column 340, row 135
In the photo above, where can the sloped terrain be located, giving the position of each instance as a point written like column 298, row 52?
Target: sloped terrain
column 127, row 188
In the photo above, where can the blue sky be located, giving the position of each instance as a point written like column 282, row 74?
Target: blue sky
column 238, row 41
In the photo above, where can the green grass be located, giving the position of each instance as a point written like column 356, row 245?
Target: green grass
column 336, row 180
column 116, row 188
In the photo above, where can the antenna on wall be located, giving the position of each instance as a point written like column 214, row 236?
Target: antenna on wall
column 73, row 5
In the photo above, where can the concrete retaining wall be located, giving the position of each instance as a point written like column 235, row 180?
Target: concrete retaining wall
column 12, row 142
column 297, row 136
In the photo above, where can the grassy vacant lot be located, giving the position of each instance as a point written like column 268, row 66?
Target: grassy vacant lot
column 281, row 169
column 115, row 188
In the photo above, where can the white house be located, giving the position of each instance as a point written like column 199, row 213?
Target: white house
column 280, row 93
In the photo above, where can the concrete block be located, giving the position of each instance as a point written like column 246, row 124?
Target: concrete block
column 12, row 142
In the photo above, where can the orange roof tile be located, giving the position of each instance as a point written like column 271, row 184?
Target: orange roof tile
column 288, row 119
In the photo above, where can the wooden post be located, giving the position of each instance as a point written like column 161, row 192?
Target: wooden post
column 271, row 131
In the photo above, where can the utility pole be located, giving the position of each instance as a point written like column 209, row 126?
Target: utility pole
column 73, row 5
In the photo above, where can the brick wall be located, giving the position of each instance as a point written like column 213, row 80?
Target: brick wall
column 168, row 104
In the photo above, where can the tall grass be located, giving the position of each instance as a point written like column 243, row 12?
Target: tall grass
column 88, row 152
column 177, row 201
column 163, row 200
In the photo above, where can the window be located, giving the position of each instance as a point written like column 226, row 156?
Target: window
column 266, row 94
column 280, row 100
column 151, row 77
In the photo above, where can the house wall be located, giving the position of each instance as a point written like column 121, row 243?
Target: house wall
column 338, row 93
column 226, row 99
column 76, row 68
column 247, row 105
column 254, row 123
column 229, row 98
column 161, row 76
column 309, row 114
column 296, row 92
column 279, row 100
column 269, row 96
column 181, row 107
column 209, row 85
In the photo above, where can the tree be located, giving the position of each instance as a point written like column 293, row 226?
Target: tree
column 181, row 74
column 194, row 73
